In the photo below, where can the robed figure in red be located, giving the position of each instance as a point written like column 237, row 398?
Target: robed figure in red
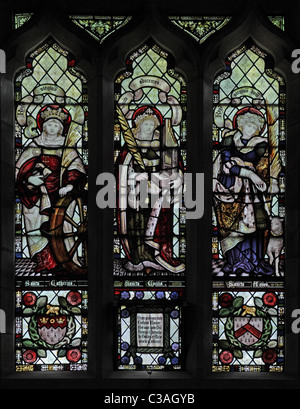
column 146, row 228
column 41, row 179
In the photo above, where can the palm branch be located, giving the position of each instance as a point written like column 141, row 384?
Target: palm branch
column 129, row 138
column 275, row 165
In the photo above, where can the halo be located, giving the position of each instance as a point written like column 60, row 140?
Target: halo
column 251, row 110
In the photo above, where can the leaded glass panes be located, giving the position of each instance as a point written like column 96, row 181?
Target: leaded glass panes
column 149, row 333
column 150, row 153
column 248, row 328
column 248, row 213
column 51, row 205
column 99, row 27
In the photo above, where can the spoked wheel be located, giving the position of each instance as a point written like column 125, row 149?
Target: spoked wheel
column 68, row 227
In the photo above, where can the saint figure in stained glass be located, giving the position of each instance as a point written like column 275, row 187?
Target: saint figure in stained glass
column 148, row 157
column 51, row 188
column 46, row 171
column 248, row 214
column 248, row 170
column 51, row 136
column 239, row 190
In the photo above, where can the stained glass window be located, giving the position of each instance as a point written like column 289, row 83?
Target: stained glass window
column 248, row 214
column 149, row 241
column 100, row 27
column 51, row 136
column 149, row 247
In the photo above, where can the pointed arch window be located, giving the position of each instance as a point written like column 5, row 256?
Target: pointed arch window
column 149, row 264
column 51, row 153
column 249, row 138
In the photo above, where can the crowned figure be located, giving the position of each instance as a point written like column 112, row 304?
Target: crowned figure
column 146, row 229
column 42, row 178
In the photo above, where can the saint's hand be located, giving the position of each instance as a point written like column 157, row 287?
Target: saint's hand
column 36, row 180
column 259, row 183
column 64, row 190
column 141, row 176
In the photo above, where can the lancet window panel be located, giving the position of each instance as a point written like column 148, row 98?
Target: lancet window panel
column 248, row 241
column 51, row 163
column 149, row 236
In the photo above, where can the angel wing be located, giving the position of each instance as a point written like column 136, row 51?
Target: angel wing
column 73, row 136
column 129, row 138
column 275, row 163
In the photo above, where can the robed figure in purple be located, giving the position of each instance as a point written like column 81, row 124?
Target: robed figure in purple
column 240, row 183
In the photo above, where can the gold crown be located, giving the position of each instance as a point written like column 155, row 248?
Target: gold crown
column 148, row 114
column 55, row 114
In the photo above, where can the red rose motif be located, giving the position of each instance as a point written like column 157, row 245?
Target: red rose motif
column 269, row 299
column 29, row 299
column 226, row 357
column 74, row 298
column 225, row 300
column 269, row 356
column 73, row 355
column 29, row 356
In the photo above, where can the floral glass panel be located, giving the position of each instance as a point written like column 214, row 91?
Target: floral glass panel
column 100, row 27
column 200, row 28
column 249, row 186
column 248, row 330
column 51, row 330
column 51, row 170
column 278, row 21
column 21, row 18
